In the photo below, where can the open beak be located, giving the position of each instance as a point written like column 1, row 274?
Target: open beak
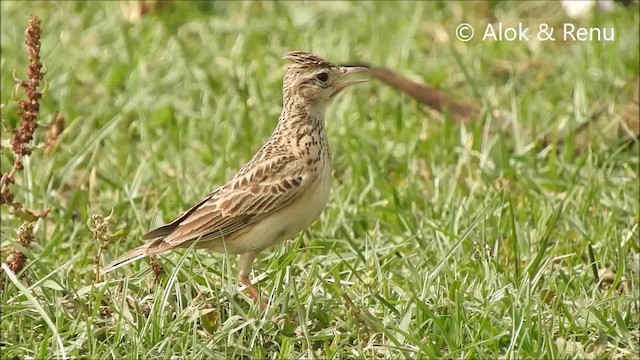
column 347, row 70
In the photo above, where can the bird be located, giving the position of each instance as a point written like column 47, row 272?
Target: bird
column 280, row 192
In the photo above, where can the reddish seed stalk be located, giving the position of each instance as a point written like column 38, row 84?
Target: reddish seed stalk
column 28, row 111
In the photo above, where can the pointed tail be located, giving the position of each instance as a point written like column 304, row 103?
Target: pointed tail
column 129, row 257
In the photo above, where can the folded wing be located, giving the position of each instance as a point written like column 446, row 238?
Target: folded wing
column 256, row 192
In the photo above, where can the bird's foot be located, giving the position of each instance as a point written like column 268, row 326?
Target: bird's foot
column 253, row 292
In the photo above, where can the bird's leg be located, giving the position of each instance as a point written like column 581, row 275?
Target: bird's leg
column 244, row 268
column 253, row 292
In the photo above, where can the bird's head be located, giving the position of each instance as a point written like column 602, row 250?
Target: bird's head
column 314, row 79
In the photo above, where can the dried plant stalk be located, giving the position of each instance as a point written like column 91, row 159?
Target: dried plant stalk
column 427, row 95
column 156, row 267
column 17, row 259
column 157, row 270
column 433, row 98
column 28, row 110
column 99, row 226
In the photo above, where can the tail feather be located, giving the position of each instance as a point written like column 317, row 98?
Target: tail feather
column 127, row 258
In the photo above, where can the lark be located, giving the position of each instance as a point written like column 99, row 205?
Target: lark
column 280, row 192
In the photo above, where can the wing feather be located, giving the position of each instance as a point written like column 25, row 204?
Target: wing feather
column 256, row 192
column 166, row 229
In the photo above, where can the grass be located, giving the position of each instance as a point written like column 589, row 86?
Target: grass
column 440, row 240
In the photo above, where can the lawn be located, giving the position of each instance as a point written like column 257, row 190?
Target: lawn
column 442, row 238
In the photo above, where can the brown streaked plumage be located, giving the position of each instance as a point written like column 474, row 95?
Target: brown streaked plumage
column 280, row 192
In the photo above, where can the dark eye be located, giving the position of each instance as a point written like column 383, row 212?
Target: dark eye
column 322, row 77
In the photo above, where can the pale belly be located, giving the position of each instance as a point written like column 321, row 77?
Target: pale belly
column 284, row 224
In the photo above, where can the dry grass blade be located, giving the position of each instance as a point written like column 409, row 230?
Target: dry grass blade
column 593, row 263
column 54, row 132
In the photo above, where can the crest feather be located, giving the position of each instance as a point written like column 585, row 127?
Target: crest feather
column 306, row 59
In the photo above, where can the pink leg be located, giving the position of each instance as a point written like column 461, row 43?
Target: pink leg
column 244, row 268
